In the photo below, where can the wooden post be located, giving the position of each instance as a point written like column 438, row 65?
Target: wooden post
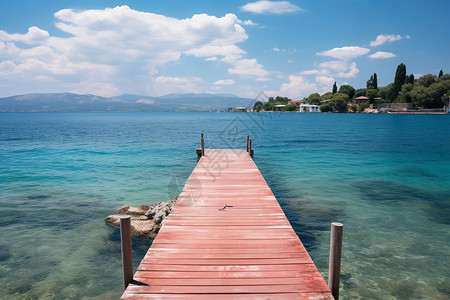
column 334, row 270
column 250, row 151
column 127, row 254
column 203, row 145
column 246, row 147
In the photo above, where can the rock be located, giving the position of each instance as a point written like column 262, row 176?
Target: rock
column 145, row 220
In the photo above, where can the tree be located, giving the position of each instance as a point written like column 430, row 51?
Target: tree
column 426, row 80
column 290, row 107
column 372, row 83
column 339, row 105
column 360, row 92
column 334, row 88
column 371, row 94
column 339, row 102
column 399, row 80
column 314, row 98
column 268, row 106
column 405, row 93
column 347, row 89
column 440, row 73
column 258, row 106
column 409, row 79
column 383, row 91
column 326, row 108
column 327, row 96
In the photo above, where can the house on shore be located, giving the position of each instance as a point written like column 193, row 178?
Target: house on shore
column 360, row 100
column 309, row 108
column 323, row 102
column 279, row 107
column 298, row 102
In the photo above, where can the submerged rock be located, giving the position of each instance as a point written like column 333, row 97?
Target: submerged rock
column 145, row 220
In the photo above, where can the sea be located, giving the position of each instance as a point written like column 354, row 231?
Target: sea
column 385, row 177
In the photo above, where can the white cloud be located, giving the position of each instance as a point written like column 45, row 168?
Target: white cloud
column 276, row 49
column 271, row 7
column 249, row 67
column 121, row 48
column 325, row 81
column 351, row 72
column 381, row 54
column 315, row 72
column 166, row 85
column 309, row 72
column 250, row 23
column 297, row 88
column 213, row 58
column 344, row 53
column 384, row 38
column 229, row 52
column 33, row 36
column 224, row 82
column 336, row 65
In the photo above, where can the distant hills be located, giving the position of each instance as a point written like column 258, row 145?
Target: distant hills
column 68, row 102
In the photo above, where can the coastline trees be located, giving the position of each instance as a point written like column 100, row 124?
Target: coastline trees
column 427, row 91
column 347, row 89
column 314, row 98
column 337, row 104
column 257, row 106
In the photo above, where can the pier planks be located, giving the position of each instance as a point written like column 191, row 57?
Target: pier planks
column 247, row 250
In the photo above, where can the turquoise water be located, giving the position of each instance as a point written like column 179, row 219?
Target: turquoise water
column 386, row 177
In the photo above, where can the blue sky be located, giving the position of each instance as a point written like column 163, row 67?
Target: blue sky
column 287, row 48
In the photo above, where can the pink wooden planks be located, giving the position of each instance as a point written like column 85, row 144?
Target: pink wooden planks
column 247, row 250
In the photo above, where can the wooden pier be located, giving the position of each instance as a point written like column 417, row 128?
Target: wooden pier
column 227, row 238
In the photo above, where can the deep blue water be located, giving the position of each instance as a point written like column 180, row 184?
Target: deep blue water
column 386, row 177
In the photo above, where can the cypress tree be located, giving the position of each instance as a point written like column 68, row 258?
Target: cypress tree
column 399, row 80
column 369, row 83
column 440, row 73
column 409, row 79
column 372, row 83
column 334, row 88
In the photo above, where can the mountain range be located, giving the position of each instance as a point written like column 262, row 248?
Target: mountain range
column 69, row 102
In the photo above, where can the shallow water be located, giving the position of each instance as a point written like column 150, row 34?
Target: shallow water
column 386, row 177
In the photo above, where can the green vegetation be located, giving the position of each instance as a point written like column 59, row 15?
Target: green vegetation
column 428, row 91
column 269, row 105
column 372, row 83
column 291, row 107
column 348, row 90
column 337, row 104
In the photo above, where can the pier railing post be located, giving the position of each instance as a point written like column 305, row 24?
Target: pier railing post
column 127, row 254
column 334, row 270
column 246, row 147
column 250, row 150
column 203, row 145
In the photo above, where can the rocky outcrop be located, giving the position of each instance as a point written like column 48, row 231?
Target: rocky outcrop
column 145, row 220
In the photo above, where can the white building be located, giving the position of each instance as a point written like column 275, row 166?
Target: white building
column 309, row 108
column 278, row 107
